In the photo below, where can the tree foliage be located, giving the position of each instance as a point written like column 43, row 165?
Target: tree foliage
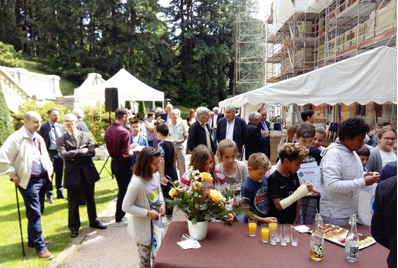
column 9, row 57
column 6, row 128
column 192, row 62
column 141, row 110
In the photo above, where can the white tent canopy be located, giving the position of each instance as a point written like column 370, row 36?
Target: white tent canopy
column 129, row 89
column 371, row 76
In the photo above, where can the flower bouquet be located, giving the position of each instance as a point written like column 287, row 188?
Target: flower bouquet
column 201, row 199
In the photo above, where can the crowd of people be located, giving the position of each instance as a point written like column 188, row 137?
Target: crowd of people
column 145, row 161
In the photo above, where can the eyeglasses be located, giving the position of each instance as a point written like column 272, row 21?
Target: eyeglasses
column 389, row 139
column 69, row 121
column 156, row 163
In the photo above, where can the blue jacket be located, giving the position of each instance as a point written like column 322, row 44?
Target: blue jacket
column 141, row 141
column 240, row 131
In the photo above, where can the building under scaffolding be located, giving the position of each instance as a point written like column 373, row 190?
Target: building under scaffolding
column 319, row 33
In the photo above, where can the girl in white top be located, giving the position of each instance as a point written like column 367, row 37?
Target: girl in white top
column 229, row 169
column 144, row 201
column 383, row 153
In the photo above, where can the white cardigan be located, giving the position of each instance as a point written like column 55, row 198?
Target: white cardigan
column 16, row 156
column 136, row 203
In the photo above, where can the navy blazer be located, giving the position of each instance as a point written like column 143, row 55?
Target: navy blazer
column 164, row 116
column 45, row 130
column 197, row 135
column 219, row 116
column 255, row 142
column 240, row 131
column 267, row 139
column 82, row 162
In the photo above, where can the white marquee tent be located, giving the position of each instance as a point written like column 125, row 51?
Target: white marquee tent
column 371, row 76
column 129, row 89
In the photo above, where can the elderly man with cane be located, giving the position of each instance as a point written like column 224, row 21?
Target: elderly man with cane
column 24, row 157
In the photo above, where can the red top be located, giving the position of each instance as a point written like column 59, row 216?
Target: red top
column 117, row 140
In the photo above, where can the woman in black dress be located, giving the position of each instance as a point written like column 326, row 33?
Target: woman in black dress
column 167, row 167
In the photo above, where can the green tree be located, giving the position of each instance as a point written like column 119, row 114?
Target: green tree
column 127, row 105
column 9, row 57
column 6, row 127
column 141, row 110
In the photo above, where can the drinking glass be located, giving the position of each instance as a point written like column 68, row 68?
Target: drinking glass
column 289, row 227
column 264, row 232
column 285, row 232
column 252, row 227
column 278, row 233
column 273, row 226
column 294, row 236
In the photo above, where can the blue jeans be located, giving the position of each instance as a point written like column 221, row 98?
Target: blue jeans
column 33, row 197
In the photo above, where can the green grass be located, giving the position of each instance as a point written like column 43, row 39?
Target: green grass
column 65, row 85
column 54, row 221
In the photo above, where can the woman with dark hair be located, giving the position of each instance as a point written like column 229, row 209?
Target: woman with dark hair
column 168, row 170
column 144, row 202
column 342, row 173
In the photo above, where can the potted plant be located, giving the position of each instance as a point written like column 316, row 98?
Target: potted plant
column 202, row 200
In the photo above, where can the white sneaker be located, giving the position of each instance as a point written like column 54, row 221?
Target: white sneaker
column 121, row 223
column 166, row 222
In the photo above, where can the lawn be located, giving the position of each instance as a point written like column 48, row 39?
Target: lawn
column 54, row 221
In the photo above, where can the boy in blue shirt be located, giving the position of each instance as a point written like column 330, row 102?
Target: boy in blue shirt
column 254, row 189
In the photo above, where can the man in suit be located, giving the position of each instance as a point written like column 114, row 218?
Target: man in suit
column 166, row 116
column 384, row 221
column 265, row 126
column 25, row 159
column 51, row 131
column 214, row 123
column 232, row 127
column 77, row 149
column 256, row 136
column 81, row 125
column 199, row 132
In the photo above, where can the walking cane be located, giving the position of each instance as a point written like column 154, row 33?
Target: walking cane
column 20, row 224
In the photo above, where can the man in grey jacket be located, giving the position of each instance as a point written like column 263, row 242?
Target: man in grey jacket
column 342, row 173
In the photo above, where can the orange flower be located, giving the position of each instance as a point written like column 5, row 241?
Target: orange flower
column 173, row 193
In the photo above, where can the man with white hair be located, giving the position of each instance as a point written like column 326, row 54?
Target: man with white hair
column 177, row 135
column 232, row 127
column 25, row 158
column 81, row 125
column 213, row 125
column 166, row 116
column 77, row 149
column 256, row 136
column 199, row 132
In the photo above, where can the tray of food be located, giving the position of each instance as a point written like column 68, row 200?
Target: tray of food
column 337, row 235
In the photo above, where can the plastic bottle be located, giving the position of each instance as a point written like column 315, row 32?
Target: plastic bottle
column 317, row 242
column 352, row 241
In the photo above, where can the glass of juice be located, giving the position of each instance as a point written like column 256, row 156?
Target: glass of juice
column 252, row 227
column 264, row 232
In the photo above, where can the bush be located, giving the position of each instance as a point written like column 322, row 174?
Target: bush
column 9, row 57
column 6, row 127
column 141, row 110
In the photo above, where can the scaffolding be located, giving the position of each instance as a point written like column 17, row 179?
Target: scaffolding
column 249, row 52
column 343, row 29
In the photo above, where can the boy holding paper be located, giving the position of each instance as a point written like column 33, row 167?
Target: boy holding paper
column 309, row 204
column 284, row 186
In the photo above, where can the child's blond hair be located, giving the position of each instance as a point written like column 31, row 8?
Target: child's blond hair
column 259, row 161
column 226, row 144
column 292, row 151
